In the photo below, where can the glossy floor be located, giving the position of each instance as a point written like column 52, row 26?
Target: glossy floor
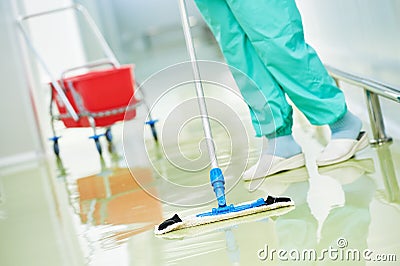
column 87, row 210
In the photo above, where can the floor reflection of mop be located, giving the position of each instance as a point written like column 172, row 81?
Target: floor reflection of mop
column 223, row 211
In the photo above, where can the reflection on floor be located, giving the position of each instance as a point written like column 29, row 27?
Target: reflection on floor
column 114, row 198
column 106, row 217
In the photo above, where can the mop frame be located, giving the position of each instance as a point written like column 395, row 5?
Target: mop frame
column 79, row 116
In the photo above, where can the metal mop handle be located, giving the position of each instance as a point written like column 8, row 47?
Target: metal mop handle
column 217, row 179
column 198, row 84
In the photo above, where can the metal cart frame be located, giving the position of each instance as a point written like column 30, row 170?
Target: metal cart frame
column 58, row 84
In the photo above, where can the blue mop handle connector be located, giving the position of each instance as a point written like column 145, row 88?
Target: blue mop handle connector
column 218, row 183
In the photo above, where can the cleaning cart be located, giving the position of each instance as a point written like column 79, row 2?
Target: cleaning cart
column 101, row 95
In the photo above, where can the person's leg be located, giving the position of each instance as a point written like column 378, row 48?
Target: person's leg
column 271, row 114
column 275, row 29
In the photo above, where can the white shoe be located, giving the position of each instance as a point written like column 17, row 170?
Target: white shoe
column 270, row 164
column 339, row 150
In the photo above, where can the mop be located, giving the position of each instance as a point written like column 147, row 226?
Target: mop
column 205, row 229
column 223, row 212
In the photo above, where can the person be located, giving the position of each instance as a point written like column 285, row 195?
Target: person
column 264, row 42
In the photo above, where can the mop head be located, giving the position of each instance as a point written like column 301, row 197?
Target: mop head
column 193, row 232
column 223, row 213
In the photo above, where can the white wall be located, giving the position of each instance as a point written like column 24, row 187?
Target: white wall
column 361, row 36
column 24, row 101
column 19, row 132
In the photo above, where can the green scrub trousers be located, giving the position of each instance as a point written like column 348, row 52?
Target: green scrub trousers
column 263, row 43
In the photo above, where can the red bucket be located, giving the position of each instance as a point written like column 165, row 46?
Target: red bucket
column 100, row 91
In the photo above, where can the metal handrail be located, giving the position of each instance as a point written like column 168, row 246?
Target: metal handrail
column 372, row 90
column 383, row 89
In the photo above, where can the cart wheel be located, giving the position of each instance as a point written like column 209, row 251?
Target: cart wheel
column 109, row 135
column 152, row 123
column 97, row 142
column 56, row 148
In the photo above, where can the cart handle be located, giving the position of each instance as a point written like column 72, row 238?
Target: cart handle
column 93, row 64
column 106, row 49
column 79, row 8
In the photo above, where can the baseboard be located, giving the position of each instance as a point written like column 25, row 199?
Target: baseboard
column 20, row 159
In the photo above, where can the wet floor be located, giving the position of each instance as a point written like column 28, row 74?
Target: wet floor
column 87, row 210
column 82, row 210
